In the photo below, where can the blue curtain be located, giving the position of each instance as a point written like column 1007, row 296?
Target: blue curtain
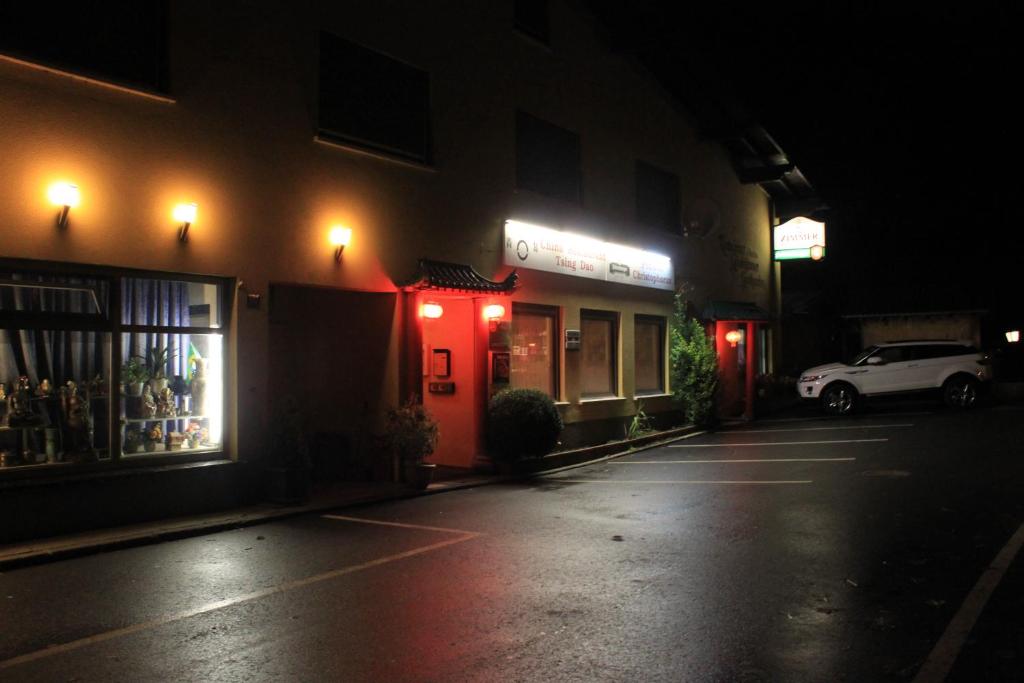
column 157, row 302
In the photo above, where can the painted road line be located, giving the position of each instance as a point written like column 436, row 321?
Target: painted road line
column 815, row 429
column 401, row 525
column 940, row 660
column 829, row 417
column 248, row 597
column 773, row 443
column 682, row 481
column 691, row 462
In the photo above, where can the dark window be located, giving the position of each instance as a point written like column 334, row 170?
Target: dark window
column 649, row 345
column 547, row 159
column 532, row 18
column 657, row 197
column 599, row 370
column 926, row 351
column 535, row 348
column 123, row 41
column 372, row 100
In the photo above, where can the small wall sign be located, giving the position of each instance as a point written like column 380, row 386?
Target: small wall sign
column 500, row 367
column 442, row 363
column 441, row 387
column 572, row 340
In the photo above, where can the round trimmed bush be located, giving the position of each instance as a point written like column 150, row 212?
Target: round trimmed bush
column 522, row 423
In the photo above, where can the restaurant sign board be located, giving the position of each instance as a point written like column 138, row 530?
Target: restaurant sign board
column 799, row 238
column 555, row 251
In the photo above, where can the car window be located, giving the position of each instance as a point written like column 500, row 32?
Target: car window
column 892, row 354
column 862, row 356
column 927, row 351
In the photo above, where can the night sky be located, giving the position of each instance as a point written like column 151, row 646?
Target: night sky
column 903, row 118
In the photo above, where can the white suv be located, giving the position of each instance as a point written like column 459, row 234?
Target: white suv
column 957, row 368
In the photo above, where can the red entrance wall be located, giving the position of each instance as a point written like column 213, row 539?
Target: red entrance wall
column 736, row 380
column 460, row 415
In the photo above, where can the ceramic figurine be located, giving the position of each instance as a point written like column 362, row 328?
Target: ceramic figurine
column 19, row 410
column 132, row 441
column 79, row 421
column 44, row 389
column 199, row 386
column 3, row 393
column 165, row 403
column 153, row 437
column 148, row 403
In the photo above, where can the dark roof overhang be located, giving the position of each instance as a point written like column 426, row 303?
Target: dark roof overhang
column 734, row 310
column 458, row 277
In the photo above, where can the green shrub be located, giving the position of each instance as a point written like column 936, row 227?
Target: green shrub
column 411, row 432
column 522, row 423
column 694, row 366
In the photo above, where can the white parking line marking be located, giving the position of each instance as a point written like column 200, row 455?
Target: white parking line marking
column 682, row 481
column 828, row 417
column 815, row 429
column 248, row 597
column 940, row 660
column 690, row 462
column 772, row 443
column 363, row 520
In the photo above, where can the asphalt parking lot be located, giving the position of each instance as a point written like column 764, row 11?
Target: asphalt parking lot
column 789, row 549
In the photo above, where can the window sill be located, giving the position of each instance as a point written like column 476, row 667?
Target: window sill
column 602, row 399
column 562, row 403
column 656, row 394
column 380, row 156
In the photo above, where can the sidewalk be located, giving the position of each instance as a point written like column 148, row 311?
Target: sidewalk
column 340, row 495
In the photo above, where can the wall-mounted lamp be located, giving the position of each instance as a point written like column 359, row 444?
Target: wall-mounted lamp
column 186, row 215
column 1013, row 336
column 734, row 337
column 494, row 311
column 64, row 195
column 339, row 237
column 432, row 310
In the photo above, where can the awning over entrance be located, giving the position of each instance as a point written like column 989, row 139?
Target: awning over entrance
column 734, row 310
column 441, row 276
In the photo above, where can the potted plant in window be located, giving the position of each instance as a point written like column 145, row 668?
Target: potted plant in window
column 157, row 362
column 289, row 465
column 412, row 435
column 134, row 374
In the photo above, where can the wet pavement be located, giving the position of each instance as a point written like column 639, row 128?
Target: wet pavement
column 793, row 549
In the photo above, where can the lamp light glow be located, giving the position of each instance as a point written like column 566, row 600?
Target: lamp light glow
column 432, row 310
column 66, row 196
column 1013, row 336
column 339, row 237
column 733, row 337
column 817, row 252
column 186, row 215
column 494, row 311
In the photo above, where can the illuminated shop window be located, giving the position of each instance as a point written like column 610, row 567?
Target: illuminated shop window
column 599, row 347
column 649, row 344
column 535, row 349
column 82, row 370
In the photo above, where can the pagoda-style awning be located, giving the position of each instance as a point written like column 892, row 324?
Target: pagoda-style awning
column 734, row 310
column 458, row 277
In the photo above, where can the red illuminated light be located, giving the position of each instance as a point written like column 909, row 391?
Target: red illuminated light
column 431, row 310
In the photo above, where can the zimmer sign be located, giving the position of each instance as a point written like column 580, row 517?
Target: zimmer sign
column 799, row 238
column 540, row 248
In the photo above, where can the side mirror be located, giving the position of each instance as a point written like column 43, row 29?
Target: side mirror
column 876, row 360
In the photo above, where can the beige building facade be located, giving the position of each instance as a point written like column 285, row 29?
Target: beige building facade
column 242, row 124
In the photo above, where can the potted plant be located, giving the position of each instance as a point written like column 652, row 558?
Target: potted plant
column 412, row 435
column 288, row 471
column 134, row 374
column 157, row 359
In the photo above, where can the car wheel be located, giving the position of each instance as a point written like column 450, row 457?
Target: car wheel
column 960, row 392
column 839, row 399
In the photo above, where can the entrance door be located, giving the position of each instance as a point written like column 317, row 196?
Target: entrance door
column 452, row 378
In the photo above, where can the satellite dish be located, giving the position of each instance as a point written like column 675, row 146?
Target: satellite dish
column 701, row 218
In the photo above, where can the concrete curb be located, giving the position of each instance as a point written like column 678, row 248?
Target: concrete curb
column 89, row 543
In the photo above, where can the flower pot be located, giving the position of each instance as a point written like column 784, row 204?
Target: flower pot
column 134, row 388
column 158, row 384
column 418, row 475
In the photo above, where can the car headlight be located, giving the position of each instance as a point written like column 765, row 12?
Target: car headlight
column 813, row 378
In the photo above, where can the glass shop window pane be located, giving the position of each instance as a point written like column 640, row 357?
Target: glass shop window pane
column 598, row 362
column 45, row 293
column 54, row 397
column 170, row 303
column 534, row 351
column 172, row 393
column 650, row 355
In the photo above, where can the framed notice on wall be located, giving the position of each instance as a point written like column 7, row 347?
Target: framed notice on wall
column 441, row 365
column 500, row 367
